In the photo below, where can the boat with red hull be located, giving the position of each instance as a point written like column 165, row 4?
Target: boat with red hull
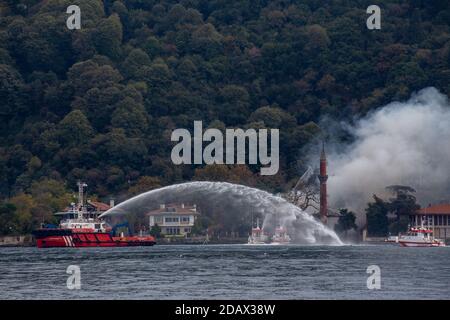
column 420, row 237
column 57, row 237
column 80, row 228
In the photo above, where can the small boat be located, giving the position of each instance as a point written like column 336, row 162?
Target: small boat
column 281, row 236
column 258, row 236
column 419, row 237
column 391, row 239
column 78, row 228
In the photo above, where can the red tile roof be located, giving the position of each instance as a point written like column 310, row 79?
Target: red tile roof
column 100, row 206
column 436, row 209
column 178, row 208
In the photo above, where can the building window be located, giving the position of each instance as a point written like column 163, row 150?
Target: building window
column 171, row 219
column 187, row 230
column 172, row 231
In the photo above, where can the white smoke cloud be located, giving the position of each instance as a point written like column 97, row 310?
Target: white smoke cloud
column 404, row 143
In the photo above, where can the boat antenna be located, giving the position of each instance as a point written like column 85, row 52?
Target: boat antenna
column 81, row 208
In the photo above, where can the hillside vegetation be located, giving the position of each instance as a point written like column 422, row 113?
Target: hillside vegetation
column 100, row 103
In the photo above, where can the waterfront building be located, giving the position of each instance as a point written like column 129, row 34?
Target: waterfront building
column 175, row 220
column 435, row 217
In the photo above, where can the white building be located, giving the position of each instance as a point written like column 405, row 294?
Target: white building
column 436, row 217
column 174, row 220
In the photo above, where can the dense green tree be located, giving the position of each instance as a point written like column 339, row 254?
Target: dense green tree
column 120, row 149
column 144, row 184
column 273, row 117
column 152, row 46
column 403, row 205
column 5, row 57
column 239, row 174
column 108, row 37
column 12, row 93
column 377, row 219
column 207, row 41
column 86, row 75
column 234, row 104
column 24, row 204
column 74, row 129
column 8, row 220
column 134, row 64
column 156, row 231
column 346, row 221
column 130, row 116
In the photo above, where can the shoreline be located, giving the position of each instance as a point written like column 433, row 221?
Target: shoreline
column 23, row 241
column 18, row 241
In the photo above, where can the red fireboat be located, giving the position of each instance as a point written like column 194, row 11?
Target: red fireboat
column 80, row 228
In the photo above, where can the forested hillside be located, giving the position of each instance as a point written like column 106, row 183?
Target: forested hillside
column 100, row 103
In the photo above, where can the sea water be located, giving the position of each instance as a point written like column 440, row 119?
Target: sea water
column 226, row 272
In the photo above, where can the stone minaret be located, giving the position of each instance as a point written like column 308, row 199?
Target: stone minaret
column 323, row 177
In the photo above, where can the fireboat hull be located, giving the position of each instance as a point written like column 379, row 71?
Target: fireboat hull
column 57, row 238
column 421, row 244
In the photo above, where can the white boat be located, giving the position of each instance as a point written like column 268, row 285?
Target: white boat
column 419, row 237
column 281, row 236
column 258, row 236
column 391, row 239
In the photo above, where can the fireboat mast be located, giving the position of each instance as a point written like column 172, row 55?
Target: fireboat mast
column 81, row 207
column 323, row 177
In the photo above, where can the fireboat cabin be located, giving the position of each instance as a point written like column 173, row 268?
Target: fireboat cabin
column 435, row 217
column 93, row 210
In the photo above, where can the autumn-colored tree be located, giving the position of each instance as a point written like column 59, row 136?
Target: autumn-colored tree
column 144, row 184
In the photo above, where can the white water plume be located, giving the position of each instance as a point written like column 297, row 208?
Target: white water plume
column 238, row 203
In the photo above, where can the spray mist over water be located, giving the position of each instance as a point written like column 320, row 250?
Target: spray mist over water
column 405, row 143
column 239, row 202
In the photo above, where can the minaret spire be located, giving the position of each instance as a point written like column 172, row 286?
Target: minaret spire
column 323, row 155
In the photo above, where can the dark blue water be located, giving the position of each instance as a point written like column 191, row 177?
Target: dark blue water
column 226, row 272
